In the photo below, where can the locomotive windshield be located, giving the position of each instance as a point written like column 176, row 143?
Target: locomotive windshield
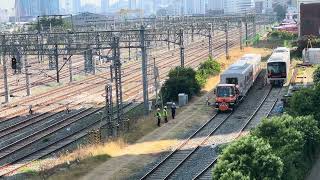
column 277, row 69
column 225, row 91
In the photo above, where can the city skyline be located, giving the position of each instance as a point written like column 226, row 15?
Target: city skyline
column 9, row 4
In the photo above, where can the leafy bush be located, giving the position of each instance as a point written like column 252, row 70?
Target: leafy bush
column 283, row 35
column 248, row 158
column 290, row 141
column 181, row 80
column 208, row 68
column 286, row 142
column 305, row 102
column 201, row 77
column 302, row 44
column 316, row 75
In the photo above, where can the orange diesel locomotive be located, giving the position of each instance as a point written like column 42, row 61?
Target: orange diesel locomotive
column 236, row 81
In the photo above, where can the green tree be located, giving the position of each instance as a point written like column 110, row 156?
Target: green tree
column 181, row 80
column 233, row 175
column 316, row 75
column 249, row 158
column 210, row 67
column 305, row 102
column 308, row 126
column 286, row 142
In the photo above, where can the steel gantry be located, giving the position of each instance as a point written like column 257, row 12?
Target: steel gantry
column 131, row 34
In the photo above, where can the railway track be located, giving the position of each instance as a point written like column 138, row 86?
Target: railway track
column 26, row 142
column 9, row 165
column 63, row 75
column 23, row 143
column 263, row 110
column 199, row 144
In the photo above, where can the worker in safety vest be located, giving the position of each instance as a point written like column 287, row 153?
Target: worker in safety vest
column 165, row 114
column 158, row 115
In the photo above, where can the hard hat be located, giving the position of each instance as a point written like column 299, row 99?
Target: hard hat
column 165, row 107
column 173, row 104
column 158, row 109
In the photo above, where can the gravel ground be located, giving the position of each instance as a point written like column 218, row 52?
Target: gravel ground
column 226, row 133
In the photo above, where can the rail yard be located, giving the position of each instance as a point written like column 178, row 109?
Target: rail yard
column 76, row 83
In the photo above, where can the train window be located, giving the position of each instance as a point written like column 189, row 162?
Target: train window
column 277, row 69
column 232, row 80
column 225, row 91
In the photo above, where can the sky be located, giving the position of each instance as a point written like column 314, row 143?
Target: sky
column 8, row 4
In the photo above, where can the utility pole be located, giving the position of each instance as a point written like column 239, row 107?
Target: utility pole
column 144, row 70
column 254, row 27
column 5, row 73
column 70, row 64
column 192, row 32
column 240, row 34
column 56, row 56
column 181, row 47
column 118, row 83
column 109, row 110
column 168, row 39
column 28, row 84
column 246, row 26
column 210, row 39
column 227, row 39
column 93, row 61
column 156, row 76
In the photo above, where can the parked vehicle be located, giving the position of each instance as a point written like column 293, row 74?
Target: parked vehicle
column 236, row 81
column 255, row 60
column 278, row 67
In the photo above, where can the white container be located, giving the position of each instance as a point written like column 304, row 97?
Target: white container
column 182, row 98
column 150, row 105
column 312, row 55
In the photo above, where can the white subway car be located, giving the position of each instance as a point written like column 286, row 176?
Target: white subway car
column 255, row 60
column 278, row 68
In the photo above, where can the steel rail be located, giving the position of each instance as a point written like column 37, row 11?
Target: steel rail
column 81, row 130
column 239, row 133
column 185, row 142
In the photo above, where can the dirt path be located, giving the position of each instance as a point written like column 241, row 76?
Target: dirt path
column 134, row 157
column 315, row 171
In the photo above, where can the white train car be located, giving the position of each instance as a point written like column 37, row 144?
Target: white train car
column 240, row 74
column 255, row 60
column 283, row 50
column 278, row 68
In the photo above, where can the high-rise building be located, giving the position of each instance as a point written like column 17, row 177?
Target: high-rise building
column 193, row 6
column 25, row 8
column 188, row 6
column 263, row 6
column 76, row 6
column 105, row 5
column 132, row 4
column 238, row 6
column 199, row 6
column 49, row 7
column 215, row 4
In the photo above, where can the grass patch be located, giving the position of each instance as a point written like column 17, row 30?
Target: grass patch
column 29, row 172
column 79, row 77
column 81, row 168
column 46, row 87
